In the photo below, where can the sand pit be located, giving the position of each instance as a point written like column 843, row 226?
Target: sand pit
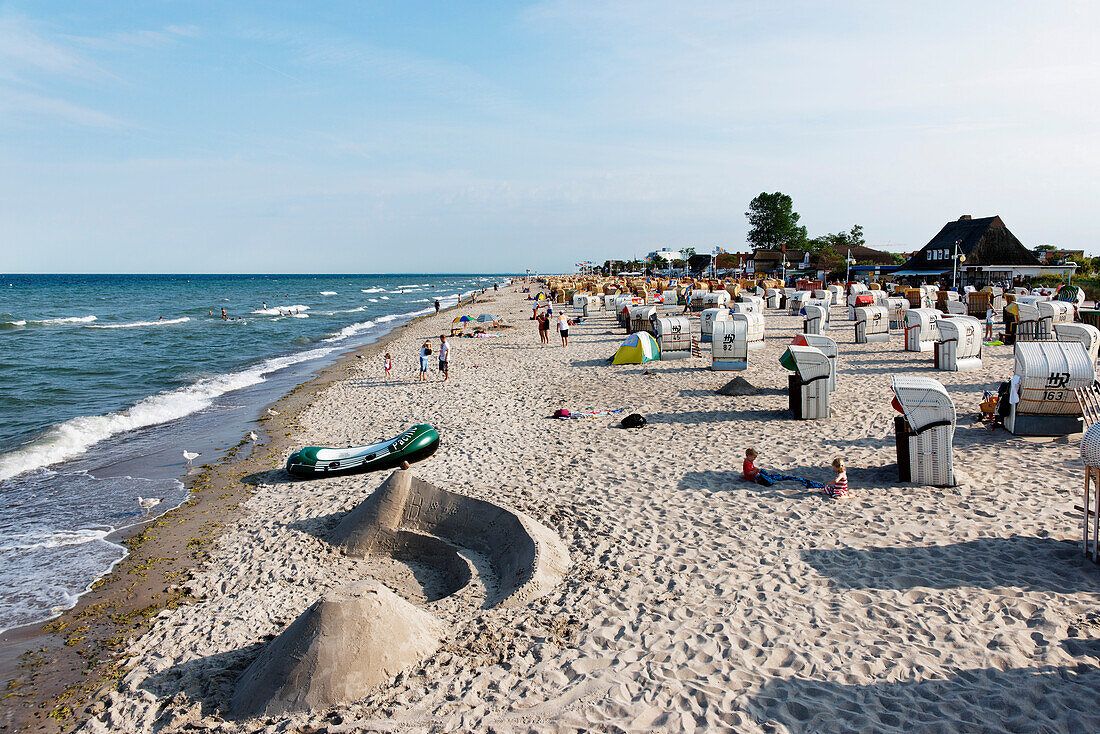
column 354, row 638
column 526, row 559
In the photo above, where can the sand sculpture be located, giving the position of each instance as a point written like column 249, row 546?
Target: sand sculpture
column 526, row 557
column 362, row 634
column 354, row 638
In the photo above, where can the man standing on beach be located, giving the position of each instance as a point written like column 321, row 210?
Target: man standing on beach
column 444, row 357
column 437, row 306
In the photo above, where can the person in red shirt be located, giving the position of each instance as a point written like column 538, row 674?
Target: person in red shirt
column 749, row 472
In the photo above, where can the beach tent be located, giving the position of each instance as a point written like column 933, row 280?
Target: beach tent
column 486, row 317
column 638, row 348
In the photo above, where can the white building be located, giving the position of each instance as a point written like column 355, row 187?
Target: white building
column 666, row 254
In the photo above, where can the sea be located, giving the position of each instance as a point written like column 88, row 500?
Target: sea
column 105, row 380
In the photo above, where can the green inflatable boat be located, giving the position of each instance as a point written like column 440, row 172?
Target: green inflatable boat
column 419, row 442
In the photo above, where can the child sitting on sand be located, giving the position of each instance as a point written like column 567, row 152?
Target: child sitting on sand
column 749, row 471
column 838, row 488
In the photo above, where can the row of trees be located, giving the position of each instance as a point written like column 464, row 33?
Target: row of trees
column 774, row 225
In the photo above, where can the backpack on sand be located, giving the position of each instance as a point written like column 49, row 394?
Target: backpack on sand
column 634, row 420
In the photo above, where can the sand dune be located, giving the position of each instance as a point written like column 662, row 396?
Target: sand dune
column 694, row 600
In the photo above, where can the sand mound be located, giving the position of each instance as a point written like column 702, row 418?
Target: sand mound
column 738, row 386
column 354, row 638
column 527, row 558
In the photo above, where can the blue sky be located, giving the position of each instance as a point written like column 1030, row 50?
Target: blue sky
column 389, row 136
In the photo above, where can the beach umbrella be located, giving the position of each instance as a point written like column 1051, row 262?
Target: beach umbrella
column 462, row 320
column 486, row 317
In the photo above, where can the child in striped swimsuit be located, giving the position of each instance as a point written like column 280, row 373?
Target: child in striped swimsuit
column 838, row 488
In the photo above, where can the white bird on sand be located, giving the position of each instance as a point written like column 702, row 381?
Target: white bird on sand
column 190, row 456
column 253, row 436
column 272, row 412
column 148, row 503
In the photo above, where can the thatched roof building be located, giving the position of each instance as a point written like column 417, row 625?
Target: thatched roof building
column 992, row 254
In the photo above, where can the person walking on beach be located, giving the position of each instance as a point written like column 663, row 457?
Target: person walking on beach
column 989, row 324
column 387, row 366
column 437, row 306
column 425, row 353
column 444, row 357
column 563, row 329
column 838, row 488
column 544, row 329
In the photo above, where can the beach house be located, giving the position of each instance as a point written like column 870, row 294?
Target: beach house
column 976, row 252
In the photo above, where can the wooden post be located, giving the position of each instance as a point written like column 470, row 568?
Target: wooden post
column 1092, row 512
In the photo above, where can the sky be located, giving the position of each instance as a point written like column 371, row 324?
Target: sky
column 172, row 136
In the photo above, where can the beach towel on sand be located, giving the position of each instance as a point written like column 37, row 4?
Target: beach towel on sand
column 808, row 483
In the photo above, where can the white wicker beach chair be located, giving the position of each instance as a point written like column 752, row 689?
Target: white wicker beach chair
column 959, row 348
column 925, row 434
column 730, row 345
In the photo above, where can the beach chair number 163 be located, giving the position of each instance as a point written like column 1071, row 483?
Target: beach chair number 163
column 1056, row 380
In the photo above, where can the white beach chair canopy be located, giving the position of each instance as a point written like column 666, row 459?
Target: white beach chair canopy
column 924, row 402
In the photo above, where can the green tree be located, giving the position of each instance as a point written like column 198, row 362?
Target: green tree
column 687, row 252
column 773, row 222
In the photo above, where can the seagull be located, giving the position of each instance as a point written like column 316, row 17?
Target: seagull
column 189, row 455
column 254, row 437
column 272, row 412
column 148, row 503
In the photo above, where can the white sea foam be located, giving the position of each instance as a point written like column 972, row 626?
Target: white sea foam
column 280, row 310
column 74, row 437
column 349, row 310
column 328, row 293
column 20, row 322
column 373, row 290
column 163, row 322
column 385, row 298
column 66, row 320
column 51, row 539
column 372, row 300
column 350, row 330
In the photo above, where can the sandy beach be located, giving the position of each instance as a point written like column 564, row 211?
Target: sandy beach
column 694, row 600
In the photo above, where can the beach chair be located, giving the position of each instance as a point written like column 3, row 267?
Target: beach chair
column 808, row 386
column 1077, row 332
column 872, row 324
column 828, row 347
column 730, row 344
column 959, row 348
column 1051, row 313
column 924, row 432
column 814, row 323
column 673, row 335
column 754, row 328
column 921, row 332
column 707, row 319
column 1048, row 375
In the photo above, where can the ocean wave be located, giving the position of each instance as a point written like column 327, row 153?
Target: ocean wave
column 347, row 310
column 12, row 324
column 385, row 298
column 52, row 539
column 328, row 293
column 372, row 300
column 65, row 320
column 372, row 290
column 351, row 330
column 279, row 311
column 162, row 322
column 76, row 436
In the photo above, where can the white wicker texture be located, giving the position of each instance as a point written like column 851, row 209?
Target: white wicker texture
column 1049, row 372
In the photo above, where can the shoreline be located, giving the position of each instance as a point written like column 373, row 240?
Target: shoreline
column 55, row 667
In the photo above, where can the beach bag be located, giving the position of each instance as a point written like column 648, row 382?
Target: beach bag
column 561, row 413
column 634, row 420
